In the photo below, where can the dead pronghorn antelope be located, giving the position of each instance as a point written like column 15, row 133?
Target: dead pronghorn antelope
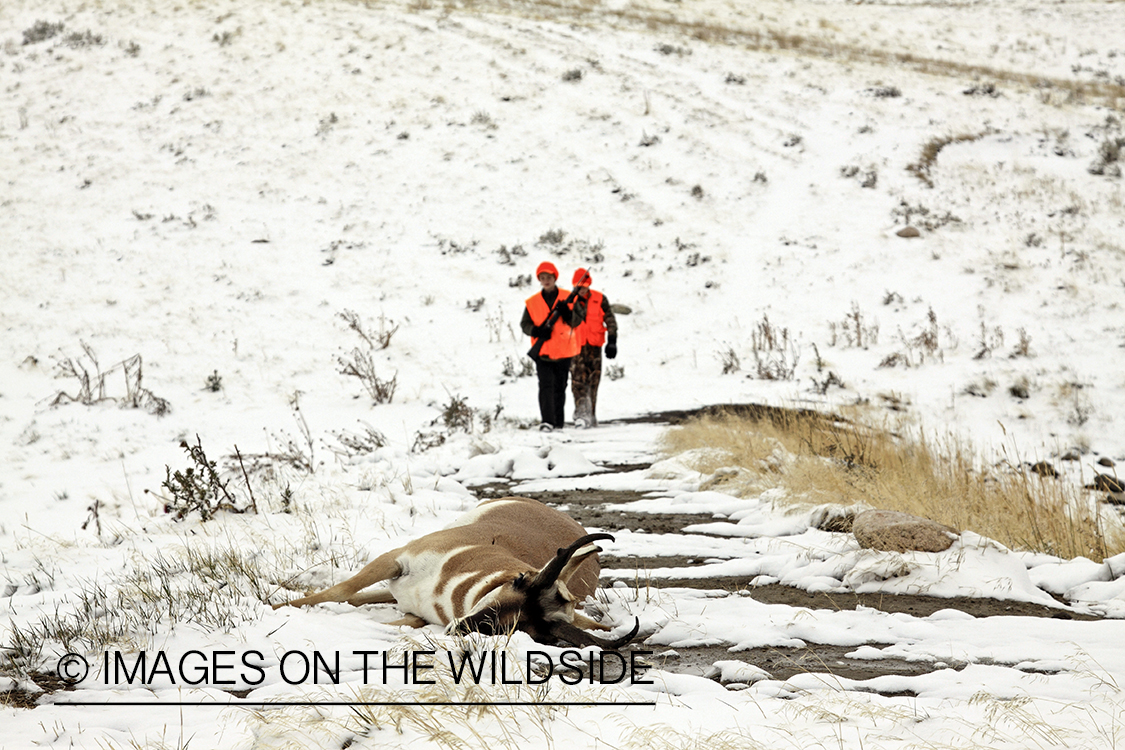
column 510, row 563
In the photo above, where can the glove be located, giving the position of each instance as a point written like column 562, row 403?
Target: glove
column 611, row 347
column 541, row 332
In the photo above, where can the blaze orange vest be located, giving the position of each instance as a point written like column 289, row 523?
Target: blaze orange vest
column 592, row 330
column 565, row 341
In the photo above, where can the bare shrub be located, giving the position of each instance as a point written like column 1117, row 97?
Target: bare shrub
column 1023, row 346
column 729, row 360
column 989, row 340
column 496, row 326
column 298, row 454
column 885, row 92
column 552, row 237
column 981, row 388
column 41, row 31
column 92, row 386
column 1111, row 149
column 821, row 387
column 353, row 444
column 488, row 419
column 867, row 178
column 226, row 38
column 524, row 369
column 198, row 488
column 922, row 345
column 457, row 415
column 922, row 217
column 453, row 247
column 483, row 119
column 1072, row 398
column 424, row 440
column 361, row 365
column 894, row 360
column 509, row 257
column 80, row 40
column 377, row 340
column 557, row 242
column 668, row 49
column 775, row 355
column 853, row 331
column 982, row 89
column 1111, row 153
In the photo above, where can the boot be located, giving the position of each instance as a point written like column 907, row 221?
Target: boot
column 583, row 413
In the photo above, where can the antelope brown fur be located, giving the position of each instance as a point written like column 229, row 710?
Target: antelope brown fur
column 510, row 563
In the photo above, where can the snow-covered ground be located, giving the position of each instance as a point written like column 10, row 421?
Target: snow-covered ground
column 196, row 199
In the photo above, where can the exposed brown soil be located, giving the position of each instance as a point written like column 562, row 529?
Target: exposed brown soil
column 783, row 663
column 21, row 699
column 589, row 507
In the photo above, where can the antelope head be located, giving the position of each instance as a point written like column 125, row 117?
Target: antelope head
column 540, row 604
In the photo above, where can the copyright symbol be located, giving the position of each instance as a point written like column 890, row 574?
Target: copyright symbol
column 72, row 669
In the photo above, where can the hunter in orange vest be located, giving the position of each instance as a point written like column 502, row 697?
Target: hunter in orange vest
column 560, row 341
column 599, row 327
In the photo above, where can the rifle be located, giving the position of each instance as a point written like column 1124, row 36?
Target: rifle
column 552, row 318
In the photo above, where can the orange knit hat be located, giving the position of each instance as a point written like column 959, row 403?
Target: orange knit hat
column 582, row 278
column 548, row 267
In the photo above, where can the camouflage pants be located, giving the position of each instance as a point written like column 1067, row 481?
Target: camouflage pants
column 585, row 376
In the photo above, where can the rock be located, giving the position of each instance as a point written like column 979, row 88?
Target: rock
column 620, row 309
column 892, row 531
column 908, row 232
column 1106, row 483
column 1106, row 461
column 1044, row 469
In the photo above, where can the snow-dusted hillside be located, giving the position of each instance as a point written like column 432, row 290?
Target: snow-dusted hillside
column 210, row 191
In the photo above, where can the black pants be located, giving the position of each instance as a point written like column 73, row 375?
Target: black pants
column 552, row 389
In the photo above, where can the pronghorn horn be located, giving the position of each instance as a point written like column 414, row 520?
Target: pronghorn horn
column 575, row 635
column 551, row 571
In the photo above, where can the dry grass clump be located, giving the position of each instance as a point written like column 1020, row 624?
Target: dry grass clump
column 821, row 458
column 921, row 168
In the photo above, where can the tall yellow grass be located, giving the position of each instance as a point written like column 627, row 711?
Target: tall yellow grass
column 825, row 459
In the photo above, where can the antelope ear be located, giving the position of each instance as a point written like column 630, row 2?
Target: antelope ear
column 576, row 560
